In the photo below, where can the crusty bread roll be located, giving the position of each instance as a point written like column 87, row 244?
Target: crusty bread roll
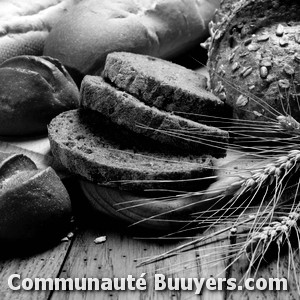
column 34, row 204
column 24, row 25
column 33, row 91
column 92, row 29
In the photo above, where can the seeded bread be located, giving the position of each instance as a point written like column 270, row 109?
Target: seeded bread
column 163, row 84
column 254, row 59
column 98, row 151
column 165, row 128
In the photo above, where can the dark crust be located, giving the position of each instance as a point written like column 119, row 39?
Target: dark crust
column 88, row 147
column 233, row 44
column 33, row 91
column 163, row 84
column 34, row 206
column 127, row 111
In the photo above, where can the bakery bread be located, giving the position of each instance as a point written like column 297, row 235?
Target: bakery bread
column 254, row 59
column 33, row 91
column 116, row 142
column 25, row 25
column 162, row 127
column 34, row 204
column 92, row 29
column 163, row 84
column 103, row 153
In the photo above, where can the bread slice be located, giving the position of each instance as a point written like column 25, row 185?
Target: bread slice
column 127, row 111
column 98, row 151
column 163, row 84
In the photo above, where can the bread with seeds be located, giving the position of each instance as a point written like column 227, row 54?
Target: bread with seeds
column 254, row 59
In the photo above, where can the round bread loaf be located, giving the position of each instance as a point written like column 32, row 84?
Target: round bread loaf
column 33, row 91
column 92, row 29
column 254, row 59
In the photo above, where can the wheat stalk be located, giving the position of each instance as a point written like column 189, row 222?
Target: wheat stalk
column 273, row 143
column 274, row 179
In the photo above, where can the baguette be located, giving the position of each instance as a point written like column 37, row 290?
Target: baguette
column 34, row 204
column 25, row 25
column 92, row 29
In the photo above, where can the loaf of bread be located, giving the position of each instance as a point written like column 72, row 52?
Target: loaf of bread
column 92, row 29
column 34, row 204
column 25, row 25
column 161, row 127
column 33, row 91
column 254, row 59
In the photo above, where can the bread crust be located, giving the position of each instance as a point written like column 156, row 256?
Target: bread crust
column 25, row 25
column 255, row 64
column 33, row 91
column 92, row 29
column 34, row 204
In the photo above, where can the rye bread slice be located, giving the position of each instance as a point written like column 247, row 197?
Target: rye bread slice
column 165, row 85
column 121, row 108
column 92, row 148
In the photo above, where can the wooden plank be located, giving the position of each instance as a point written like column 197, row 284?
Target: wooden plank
column 43, row 265
column 119, row 256
column 275, row 268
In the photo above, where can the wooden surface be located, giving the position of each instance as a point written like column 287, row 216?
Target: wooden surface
column 119, row 256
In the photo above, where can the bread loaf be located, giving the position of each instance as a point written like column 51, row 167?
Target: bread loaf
column 254, row 59
column 34, row 204
column 92, row 29
column 161, row 127
column 33, row 91
column 25, row 25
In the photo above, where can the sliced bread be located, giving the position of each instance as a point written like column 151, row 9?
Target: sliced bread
column 163, row 84
column 127, row 111
column 96, row 150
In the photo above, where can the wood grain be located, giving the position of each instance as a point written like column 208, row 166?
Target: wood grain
column 42, row 265
column 119, row 256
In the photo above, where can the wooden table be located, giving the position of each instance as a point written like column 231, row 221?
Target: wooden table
column 119, row 256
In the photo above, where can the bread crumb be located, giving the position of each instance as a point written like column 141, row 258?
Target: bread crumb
column 100, row 240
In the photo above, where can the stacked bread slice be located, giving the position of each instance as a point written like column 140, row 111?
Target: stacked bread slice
column 128, row 134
